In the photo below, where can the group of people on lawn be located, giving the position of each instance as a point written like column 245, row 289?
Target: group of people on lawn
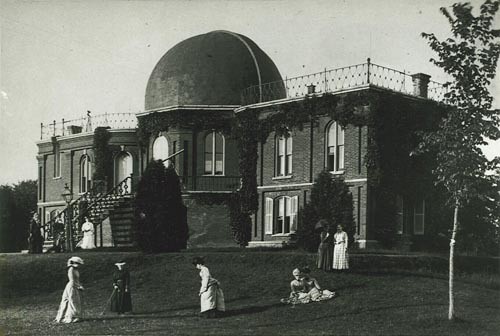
column 303, row 288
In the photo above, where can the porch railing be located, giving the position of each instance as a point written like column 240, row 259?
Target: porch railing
column 87, row 124
column 335, row 80
column 210, row 183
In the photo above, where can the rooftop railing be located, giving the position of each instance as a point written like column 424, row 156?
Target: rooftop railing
column 87, row 124
column 336, row 80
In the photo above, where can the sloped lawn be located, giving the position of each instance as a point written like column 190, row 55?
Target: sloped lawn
column 379, row 296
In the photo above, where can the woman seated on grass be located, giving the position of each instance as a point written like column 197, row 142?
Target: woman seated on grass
column 305, row 289
column 312, row 287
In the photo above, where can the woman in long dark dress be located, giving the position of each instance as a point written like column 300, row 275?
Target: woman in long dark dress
column 121, row 300
column 325, row 250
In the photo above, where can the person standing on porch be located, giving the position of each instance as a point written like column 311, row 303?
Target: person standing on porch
column 88, row 235
column 211, row 295
column 340, row 256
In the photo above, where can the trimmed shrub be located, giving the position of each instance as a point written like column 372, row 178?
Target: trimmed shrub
column 331, row 200
column 160, row 215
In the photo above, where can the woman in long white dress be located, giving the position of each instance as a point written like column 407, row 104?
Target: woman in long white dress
column 211, row 295
column 88, row 235
column 71, row 304
column 340, row 256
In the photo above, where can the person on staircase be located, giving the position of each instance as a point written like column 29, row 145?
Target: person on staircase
column 88, row 235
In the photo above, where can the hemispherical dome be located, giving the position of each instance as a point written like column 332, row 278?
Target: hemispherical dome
column 210, row 69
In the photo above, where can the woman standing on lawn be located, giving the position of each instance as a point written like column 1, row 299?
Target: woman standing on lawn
column 340, row 256
column 71, row 305
column 121, row 300
column 325, row 250
column 211, row 295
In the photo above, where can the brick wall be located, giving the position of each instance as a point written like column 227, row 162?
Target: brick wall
column 209, row 225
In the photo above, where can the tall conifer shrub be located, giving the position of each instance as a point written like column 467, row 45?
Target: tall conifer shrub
column 331, row 200
column 160, row 215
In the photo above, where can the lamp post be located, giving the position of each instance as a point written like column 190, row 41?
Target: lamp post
column 67, row 195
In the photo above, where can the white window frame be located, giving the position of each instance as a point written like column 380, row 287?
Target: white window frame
column 57, row 161
column 85, row 167
column 416, row 216
column 268, row 215
column 287, row 208
column 213, row 166
column 156, row 144
column 338, row 146
column 283, row 156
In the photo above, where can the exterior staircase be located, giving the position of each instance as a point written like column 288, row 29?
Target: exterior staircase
column 112, row 214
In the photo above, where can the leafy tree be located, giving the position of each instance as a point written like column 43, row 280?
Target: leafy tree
column 470, row 58
column 160, row 215
column 331, row 200
column 7, row 208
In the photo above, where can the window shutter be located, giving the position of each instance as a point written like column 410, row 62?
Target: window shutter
column 268, row 218
column 293, row 213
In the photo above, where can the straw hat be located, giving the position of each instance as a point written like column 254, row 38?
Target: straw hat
column 75, row 261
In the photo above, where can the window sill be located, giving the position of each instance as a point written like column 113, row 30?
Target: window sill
column 283, row 234
column 57, row 178
column 213, row 175
column 337, row 172
column 285, row 177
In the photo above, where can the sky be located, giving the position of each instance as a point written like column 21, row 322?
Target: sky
column 59, row 59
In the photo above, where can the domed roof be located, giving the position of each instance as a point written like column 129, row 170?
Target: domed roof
column 209, row 69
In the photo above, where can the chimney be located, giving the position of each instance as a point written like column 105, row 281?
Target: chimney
column 420, row 84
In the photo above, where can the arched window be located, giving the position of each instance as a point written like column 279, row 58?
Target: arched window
column 160, row 149
column 334, row 147
column 85, row 174
column 123, row 169
column 214, row 154
column 280, row 215
column 283, row 149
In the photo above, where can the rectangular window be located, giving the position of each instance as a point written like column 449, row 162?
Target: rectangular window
column 419, row 217
column 334, row 147
column 340, row 149
column 289, row 146
column 268, row 217
column 280, row 218
column 284, row 156
column 358, row 212
column 40, row 182
column 208, row 154
column 57, row 161
column 294, row 201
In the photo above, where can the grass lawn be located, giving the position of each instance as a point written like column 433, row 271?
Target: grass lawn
column 374, row 298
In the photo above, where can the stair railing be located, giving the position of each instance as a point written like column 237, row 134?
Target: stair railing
column 95, row 191
column 96, row 208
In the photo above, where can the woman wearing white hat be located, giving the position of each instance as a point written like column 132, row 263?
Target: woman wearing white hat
column 71, row 304
column 121, row 300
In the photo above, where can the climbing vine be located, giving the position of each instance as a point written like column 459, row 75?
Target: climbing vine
column 102, row 154
column 392, row 120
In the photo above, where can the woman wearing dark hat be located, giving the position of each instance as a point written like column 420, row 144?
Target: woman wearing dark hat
column 71, row 303
column 121, row 300
column 211, row 295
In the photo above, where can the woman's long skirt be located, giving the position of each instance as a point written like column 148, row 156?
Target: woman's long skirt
column 213, row 298
column 71, row 305
column 325, row 257
column 340, row 257
column 121, row 301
